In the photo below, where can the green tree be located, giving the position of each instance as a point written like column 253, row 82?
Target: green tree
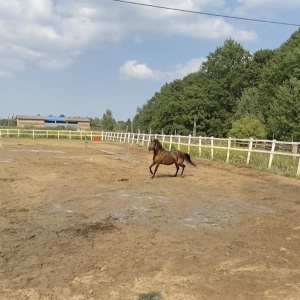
column 283, row 65
column 107, row 121
column 144, row 116
column 169, row 109
column 123, row 126
column 226, row 70
column 250, row 104
column 95, row 123
column 227, row 66
column 284, row 119
column 256, row 64
column 247, row 127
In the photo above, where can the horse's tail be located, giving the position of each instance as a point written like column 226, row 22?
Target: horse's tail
column 188, row 159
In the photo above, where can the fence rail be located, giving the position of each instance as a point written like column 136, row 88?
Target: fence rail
column 284, row 156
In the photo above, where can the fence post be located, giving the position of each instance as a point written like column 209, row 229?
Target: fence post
column 212, row 148
column 128, row 138
column 298, row 170
column 228, row 149
column 200, row 146
column 295, row 150
column 272, row 154
column 249, row 151
column 143, row 139
column 170, row 146
column 178, row 143
column 138, row 136
column 189, row 145
column 33, row 134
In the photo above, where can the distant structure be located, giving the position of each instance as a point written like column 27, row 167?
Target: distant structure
column 52, row 121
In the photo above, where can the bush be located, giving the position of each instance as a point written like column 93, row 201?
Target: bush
column 247, row 127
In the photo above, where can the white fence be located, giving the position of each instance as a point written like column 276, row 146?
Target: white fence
column 239, row 151
column 50, row 134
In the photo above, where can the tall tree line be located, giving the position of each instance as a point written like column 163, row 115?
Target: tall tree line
column 232, row 88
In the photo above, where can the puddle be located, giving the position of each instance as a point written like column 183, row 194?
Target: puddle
column 223, row 211
column 140, row 209
column 59, row 208
column 130, row 207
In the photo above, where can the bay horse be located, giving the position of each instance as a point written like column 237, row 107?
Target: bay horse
column 162, row 156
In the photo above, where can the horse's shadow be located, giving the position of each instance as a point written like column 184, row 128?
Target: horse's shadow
column 170, row 176
column 165, row 176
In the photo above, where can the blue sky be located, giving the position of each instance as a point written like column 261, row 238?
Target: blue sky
column 82, row 57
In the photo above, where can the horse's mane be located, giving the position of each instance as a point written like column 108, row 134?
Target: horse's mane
column 159, row 145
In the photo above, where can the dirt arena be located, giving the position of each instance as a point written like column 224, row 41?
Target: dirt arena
column 79, row 223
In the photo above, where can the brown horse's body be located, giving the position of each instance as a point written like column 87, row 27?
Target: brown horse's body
column 162, row 156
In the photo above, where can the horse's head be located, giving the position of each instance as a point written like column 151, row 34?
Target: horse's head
column 154, row 144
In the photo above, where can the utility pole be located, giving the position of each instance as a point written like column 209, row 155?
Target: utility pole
column 194, row 128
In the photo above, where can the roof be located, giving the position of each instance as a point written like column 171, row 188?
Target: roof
column 53, row 118
column 30, row 117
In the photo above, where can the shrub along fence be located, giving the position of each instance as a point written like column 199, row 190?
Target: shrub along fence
column 283, row 157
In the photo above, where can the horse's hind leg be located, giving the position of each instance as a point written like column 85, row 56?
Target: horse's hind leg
column 177, row 168
column 183, row 166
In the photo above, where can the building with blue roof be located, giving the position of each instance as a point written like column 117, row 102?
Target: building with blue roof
column 53, row 121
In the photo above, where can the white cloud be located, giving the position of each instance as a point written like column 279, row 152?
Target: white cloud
column 168, row 22
column 181, row 70
column 52, row 34
column 5, row 74
column 213, row 28
column 131, row 69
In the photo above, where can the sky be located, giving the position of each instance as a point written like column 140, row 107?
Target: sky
column 81, row 57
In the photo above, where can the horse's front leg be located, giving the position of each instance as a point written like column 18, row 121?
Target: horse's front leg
column 150, row 168
column 156, row 167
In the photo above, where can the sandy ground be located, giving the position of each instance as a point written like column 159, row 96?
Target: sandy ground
column 79, row 223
